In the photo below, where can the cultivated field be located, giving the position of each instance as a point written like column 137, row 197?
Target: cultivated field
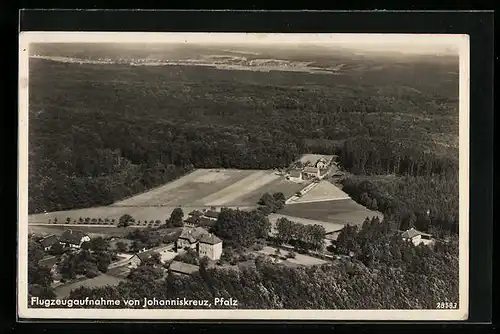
column 142, row 214
column 214, row 187
column 201, row 189
column 63, row 291
column 323, row 191
column 339, row 211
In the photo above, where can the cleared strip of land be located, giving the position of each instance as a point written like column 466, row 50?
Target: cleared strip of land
column 190, row 189
column 340, row 211
column 322, row 191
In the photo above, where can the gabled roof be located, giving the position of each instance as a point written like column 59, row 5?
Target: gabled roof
column 310, row 170
column 210, row 239
column 72, row 237
column 192, row 234
column 192, row 219
column 183, row 268
column 49, row 240
column 211, row 214
column 196, row 213
column 295, row 173
column 412, row 233
column 204, row 221
column 143, row 256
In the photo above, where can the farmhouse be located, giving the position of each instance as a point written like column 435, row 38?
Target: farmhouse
column 417, row 237
column 48, row 241
column 73, row 239
column 140, row 257
column 311, row 172
column 182, row 268
column 205, row 243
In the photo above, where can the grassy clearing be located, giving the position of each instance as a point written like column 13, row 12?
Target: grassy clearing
column 340, row 211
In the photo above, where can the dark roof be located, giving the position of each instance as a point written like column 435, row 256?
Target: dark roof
column 72, row 237
column 49, row 240
column 143, row 256
column 412, row 233
column 195, row 213
column 204, row 221
column 295, row 173
column 211, row 214
column 183, row 268
column 210, row 239
column 192, row 220
column 192, row 234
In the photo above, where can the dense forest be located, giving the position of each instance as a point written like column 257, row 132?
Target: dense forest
column 99, row 133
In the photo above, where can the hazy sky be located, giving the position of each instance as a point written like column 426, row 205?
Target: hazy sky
column 413, row 44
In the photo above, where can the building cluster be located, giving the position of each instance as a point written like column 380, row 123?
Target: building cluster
column 309, row 171
column 417, row 237
column 205, row 218
column 69, row 239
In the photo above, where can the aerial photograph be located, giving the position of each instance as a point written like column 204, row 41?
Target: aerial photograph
column 243, row 173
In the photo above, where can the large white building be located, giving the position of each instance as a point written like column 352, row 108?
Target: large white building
column 210, row 246
column 205, row 243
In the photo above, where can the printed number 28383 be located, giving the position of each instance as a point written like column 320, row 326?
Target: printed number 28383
column 446, row 305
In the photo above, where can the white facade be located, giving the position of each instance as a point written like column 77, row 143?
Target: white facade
column 213, row 252
column 417, row 240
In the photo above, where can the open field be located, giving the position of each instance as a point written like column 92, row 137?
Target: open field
column 214, row 187
column 329, row 226
column 323, row 191
column 340, row 211
column 143, row 214
column 99, row 281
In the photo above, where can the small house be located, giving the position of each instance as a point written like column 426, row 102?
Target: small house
column 48, row 241
column 210, row 246
column 182, row 268
column 417, row 237
column 73, row 239
column 295, row 175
